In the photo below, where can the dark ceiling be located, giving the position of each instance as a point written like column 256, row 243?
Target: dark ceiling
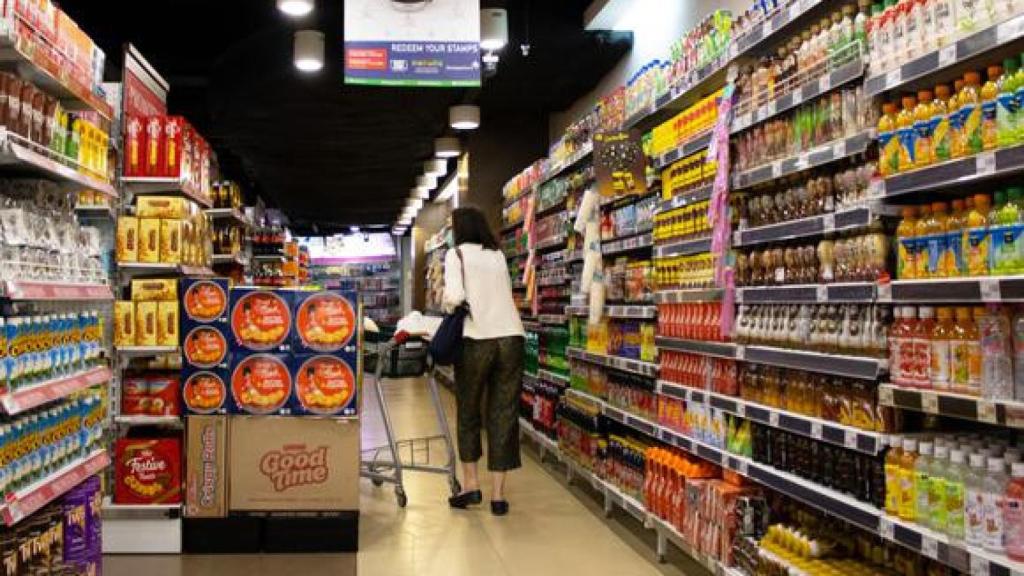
column 320, row 150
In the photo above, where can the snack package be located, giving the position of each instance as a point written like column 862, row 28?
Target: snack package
column 261, row 320
column 145, row 323
column 154, row 128
column 205, row 346
column 154, row 290
column 325, row 322
column 124, row 324
column 261, row 384
column 167, row 323
column 149, row 240
column 127, row 239
column 324, row 385
column 171, row 231
column 171, row 207
column 134, row 396
column 174, row 128
column 204, row 301
column 206, row 392
column 147, row 471
column 164, row 395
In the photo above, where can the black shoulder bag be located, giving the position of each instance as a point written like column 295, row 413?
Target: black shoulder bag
column 446, row 345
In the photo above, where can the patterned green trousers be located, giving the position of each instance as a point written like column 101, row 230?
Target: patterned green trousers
column 494, row 368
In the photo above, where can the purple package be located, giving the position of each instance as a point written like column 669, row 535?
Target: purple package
column 81, row 508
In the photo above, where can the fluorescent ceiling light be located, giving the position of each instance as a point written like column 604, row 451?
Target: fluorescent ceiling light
column 448, row 192
column 295, row 8
column 465, row 117
column 493, row 28
column 309, row 50
column 447, row 147
column 420, row 193
column 428, row 182
column 436, row 168
column 416, row 203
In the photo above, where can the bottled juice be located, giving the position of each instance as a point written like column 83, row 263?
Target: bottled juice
column 966, row 12
column 941, row 338
column 888, row 145
column 996, row 367
column 955, row 495
column 1019, row 92
column 941, row 137
column 905, row 133
column 1005, row 226
column 935, row 239
column 977, row 241
column 905, row 247
column 922, row 480
column 953, row 262
column 970, row 111
column 962, row 343
column 989, row 109
column 923, row 129
column 892, row 475
column 957, row 145
column 908, row 496
column 1013, row 513
column 976, row 354
column 938, row 513
column 920, row 257
column 1007, row 110
column 923, row 347
column 901, row 346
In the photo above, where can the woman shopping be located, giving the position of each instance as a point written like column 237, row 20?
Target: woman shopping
column 491, row 363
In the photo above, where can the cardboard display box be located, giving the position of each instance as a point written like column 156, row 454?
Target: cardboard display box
column 293, row 464
column 206, row 467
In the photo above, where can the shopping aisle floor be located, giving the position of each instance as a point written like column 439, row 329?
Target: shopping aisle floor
column 552, row 529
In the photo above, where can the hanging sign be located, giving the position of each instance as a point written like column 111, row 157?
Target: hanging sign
column 412, row 42
column 619, row 163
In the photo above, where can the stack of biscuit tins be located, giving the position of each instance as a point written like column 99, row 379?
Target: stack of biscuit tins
column 205, row 345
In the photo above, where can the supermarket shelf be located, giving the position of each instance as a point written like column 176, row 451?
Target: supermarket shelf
column 682, row 199
column 704, row 348
column 109, row 506
column 542, row 440
column 988, row 289
column 616, row 311
column 140, row 420
column 688, row 295
column 548, row 210
column 87, row 211
column 27, row 501
column 22, row 155
column 554, row 281
column 269, row 258
column 944, row 403
column 697, row 85
column 783, row 17
column 146, row 186
column 145, row 351
column 38, row 394
column 984, row 166
column 845, row 219
column 861, row 367
column 55, row 291
column 818, row 156
column 532, row 326
column 691, row 146
column 549, row 243
column 812, row 89
column 510, row 226
column 861, row 292
column 683, row 248
column 572, row 161
column 649, row 369
column 228, row 214
column 230, row 259
column 35, row 66
column 946, row 57
column 556, row 319
column 155, row 269
column 817, row 428
column 639, row 241
column 552, row 377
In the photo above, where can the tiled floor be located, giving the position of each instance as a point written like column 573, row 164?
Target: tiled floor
column 552, row 529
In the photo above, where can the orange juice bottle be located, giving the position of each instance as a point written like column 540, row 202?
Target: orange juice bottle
column 923, row 129
column 892, row 475
column 920, row 256
column 941, row 136
column 905, row 245
column 905, row 133
column 976, row 240
column 989, row 106
column 970, row 110
column 957, row 146
column 908, row 496
column 888, row 145
column 942, row 334
column 960, row 350
column 953, row 260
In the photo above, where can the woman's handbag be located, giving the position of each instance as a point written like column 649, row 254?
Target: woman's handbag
column 446, row 345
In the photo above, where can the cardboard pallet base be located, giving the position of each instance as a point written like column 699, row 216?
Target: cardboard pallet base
column 272, row 534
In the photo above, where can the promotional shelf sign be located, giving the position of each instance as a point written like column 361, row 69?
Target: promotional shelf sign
column 412, row 42
column 619, row 163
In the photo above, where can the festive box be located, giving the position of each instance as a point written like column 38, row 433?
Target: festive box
column 145, row 323
column 260, row 384
column 323, row 385
column 124, row 323
column 150, row 395
column 149, row 240
column 204, row 301
column 147, row 471
column 261, row 320
column 153, row 161
column 206, row 467
column 127, row 249
column 154, row 290
column 326, row 322
column 171, row 233
column 206, row 346
column 206, row 392
column 167, row 323
column 174, row 207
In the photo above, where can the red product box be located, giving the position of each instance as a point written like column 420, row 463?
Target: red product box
column 134, row 396
column 135, row 145
column 174, row 136
column 151, row 395
column 155, row 147
column 147, row 471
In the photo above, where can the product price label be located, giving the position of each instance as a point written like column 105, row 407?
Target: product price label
column 803, row 160
column 741, row 353
column 839, row 149
column 885, row 292
column 850, row 438
column 816, row 430
column 824, row 83
column 979, row 566
column 794, row 10
column 929, row 403
column 766, row 27
column 929, row 547
column 743, row 120
column 740, row 466
column 797, row 98
column 739, row 295
column 828, row 222
column 1010, row 30
column 762, row 112
column 893, row 77
column 947, row 55
column 989, row 288
column 741, row 410
column 821, row 293
column 985, row 163
column 885, row 528
column 885, row 396
column 773, row 419
column 987, row 412
column 737, row 238
column 776, row 169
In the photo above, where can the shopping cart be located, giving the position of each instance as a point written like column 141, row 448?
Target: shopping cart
column 388, row 463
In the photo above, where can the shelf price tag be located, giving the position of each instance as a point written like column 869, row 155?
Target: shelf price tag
column 741, row 410
column 929, row 403
column 770, row 107
column 824, row 83
column 839, row 149
column 828, row 222
column 794, row 10
column 741, row 467
column 979, row 566
column 885, row 528
column 741, row 353
column 773, row 419
column 947, row 55
column 821, row 293
column 989, row 288
column 987, row 412
column 816, row 428
column 885, row 396
column 929, row 547
column 776, row 169
column 885, row 292
column 850, row 439
column 893, row 77
column 985, row 163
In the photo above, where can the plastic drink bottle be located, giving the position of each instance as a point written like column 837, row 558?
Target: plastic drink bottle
column 953, row 262
column 923, row 347
column 955, row 495
column 905, row 133
column 935, row 230
column 941, row 336
column 1007, row 110
column 994, row 498
column 990, row 108
column 1018, row 355
column 905, row 244
column 938, row 514
column 970, row 110
column 888, row 145
column 1013, row 513
column 957, row 146
column 908, row 494
column 923, row 145
column 975, row 504
column 892, row 475
column 922, row 481
column 941, row 135
column 921, row 230
column 996, row 370
column 977, row 237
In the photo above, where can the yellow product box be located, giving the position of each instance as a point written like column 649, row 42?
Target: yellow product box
column 163, row 207
column 154, row 289
column 124, row 323
column 145, row 323
column 127, row 239
column 167, row 323
column 149, row 240
column 171, row 241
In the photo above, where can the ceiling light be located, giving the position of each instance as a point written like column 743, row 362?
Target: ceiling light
column 465, row 117
column 426, row 181
column 354, row 229
column 297, row 8
column 493, row 28
column 448, row 192
column 417, row 203
column 447, row 147
column 435, row 168
column 422, row 193
column 309, row 50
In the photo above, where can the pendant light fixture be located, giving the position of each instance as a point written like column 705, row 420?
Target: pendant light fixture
column 296, row 8
column 425, row 181
column 421, row 193
column 493, row 29
column 464, row 117
column 435, row 168
column 447, row 147
column 309, row 50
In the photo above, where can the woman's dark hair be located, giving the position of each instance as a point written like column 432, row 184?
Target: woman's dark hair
column 469, row 226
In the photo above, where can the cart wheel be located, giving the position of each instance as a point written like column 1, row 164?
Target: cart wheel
column 401, row 497
column 377, row 483
column 456, row 487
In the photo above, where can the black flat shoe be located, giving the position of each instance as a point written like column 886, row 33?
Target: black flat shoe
column 466, row 499
column 499, row 507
